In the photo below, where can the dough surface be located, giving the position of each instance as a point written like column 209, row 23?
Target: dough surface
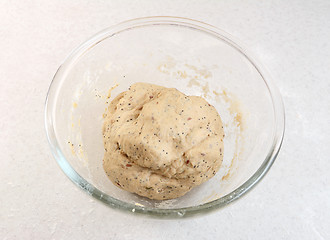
column 160, row 143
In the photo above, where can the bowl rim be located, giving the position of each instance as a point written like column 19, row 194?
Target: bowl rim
column 55, row 85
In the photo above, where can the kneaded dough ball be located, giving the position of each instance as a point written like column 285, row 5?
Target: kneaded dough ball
column 160, row 143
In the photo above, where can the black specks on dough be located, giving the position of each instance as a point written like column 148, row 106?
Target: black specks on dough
column 167, row 138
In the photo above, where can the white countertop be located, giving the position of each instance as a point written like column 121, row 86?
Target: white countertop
column 37, row 201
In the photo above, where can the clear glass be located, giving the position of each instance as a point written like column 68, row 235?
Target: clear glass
column 197, row 59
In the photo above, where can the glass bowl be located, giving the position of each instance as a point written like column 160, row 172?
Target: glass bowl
column 197, row 59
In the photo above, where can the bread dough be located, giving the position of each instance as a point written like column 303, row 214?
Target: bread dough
column 160, row 143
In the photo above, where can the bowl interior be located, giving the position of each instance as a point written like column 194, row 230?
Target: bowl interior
column 183, row 56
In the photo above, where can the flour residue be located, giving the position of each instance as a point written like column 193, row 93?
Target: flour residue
column 234, row 108
column 108, row 97
column 202, row 72
column 110, row 91
column 196, row 76
column 75, row 142
column 214, row 195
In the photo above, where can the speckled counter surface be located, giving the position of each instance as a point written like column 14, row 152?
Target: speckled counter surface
column 39, row 202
